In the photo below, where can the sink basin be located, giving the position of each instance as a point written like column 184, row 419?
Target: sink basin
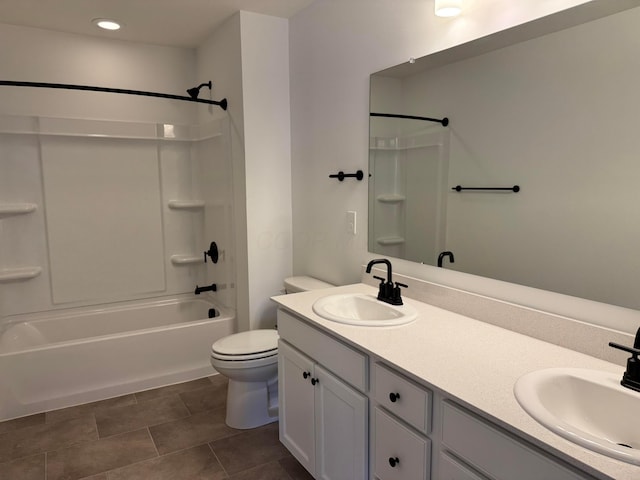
column 587, row 407
column 364, row 310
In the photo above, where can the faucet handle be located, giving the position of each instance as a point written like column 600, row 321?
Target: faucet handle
column 636, row 342
column 379, row 278
column 631, row 376
column 398, row 284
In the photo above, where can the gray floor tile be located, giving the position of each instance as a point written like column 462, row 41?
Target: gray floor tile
column 172, row 389
column 198, row 463
column 11, row 425
column 269, row 471
column 99, row 456
column 191, row 431
column 249, row 449
column 294, row 469
column 112, row 421
column 41, row 438
column 27, row 468
column 88, row 408
column 203, row 399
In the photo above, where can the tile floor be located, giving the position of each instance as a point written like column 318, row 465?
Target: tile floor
column 169, row 433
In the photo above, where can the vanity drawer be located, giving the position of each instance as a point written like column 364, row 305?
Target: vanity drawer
column 346, row 362
column 496, row 453
column 403, row 397
column 400, row 454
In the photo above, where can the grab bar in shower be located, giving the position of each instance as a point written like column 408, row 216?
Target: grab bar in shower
column 222, row 103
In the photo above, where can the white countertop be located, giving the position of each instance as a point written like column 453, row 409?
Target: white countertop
column 471, row 361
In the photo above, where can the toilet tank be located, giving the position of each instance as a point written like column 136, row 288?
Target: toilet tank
column 304, row 284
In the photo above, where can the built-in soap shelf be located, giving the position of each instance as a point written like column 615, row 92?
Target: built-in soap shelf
column 186, row 259
column 19, row 274
column 186, row 204
column 391, row 198
column 11, row 209
column 392, row 240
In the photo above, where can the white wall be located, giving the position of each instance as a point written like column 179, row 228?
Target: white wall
column 248, row 61
column 265, row 84
column 335, row 46
column 35, row 55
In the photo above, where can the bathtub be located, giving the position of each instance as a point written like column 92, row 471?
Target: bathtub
column 68, row 357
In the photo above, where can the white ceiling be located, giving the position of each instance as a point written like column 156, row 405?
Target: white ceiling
column 180, row 23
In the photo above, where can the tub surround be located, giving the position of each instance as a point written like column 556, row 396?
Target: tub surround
column 475, row 363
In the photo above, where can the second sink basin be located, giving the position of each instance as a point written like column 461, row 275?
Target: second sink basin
column 361, row 309
column 587, row 407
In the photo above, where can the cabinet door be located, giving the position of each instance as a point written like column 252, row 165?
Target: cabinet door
column 296, row 409
column 341, row 429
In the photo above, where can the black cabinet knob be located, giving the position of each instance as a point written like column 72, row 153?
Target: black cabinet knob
column 314, row 381
column 393, row 461
column 306, row 375
column 394, row 397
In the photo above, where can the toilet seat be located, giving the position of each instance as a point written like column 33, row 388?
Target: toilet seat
column 246, row 346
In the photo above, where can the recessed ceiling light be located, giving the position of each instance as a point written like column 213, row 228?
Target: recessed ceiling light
column 107, row 24
column 448, row 8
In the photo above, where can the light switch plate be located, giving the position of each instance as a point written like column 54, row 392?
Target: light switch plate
column 351, row 222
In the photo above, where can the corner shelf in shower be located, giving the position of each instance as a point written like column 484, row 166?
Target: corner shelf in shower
column 11, row 209
column 186, row 259
column 18, row 274
column 393, row 240
column 391, row 198
column 186, row 204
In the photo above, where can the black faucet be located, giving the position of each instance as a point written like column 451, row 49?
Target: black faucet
column 387, row 292
column 631, row 377
column 210, row 288
column 445, row 254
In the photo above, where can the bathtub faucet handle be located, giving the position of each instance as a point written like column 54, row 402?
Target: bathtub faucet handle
column 212, row 252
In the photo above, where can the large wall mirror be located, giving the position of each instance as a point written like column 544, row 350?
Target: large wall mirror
column 558, row 115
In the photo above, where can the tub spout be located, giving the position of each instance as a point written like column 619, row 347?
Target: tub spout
column 210, row 288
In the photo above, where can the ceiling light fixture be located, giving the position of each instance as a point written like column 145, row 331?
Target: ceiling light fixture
column 448, row 8
column 107, row 24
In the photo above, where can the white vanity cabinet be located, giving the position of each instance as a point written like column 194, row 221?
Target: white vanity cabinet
column 400, row 428
column 323, row 419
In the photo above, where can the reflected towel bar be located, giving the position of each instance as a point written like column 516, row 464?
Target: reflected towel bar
column 514, row 189
column 341, row 175
column 222, row 103
column 444, row 121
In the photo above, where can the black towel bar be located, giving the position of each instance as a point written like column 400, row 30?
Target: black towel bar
column 515, row 188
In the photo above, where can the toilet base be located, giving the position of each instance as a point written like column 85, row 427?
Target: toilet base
column 251, row 404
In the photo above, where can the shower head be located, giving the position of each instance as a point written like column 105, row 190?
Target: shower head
column 193, row 92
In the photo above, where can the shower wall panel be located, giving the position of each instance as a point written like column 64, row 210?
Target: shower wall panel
column 104, row 222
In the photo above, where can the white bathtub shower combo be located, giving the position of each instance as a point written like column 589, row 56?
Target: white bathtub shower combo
column 103, row 225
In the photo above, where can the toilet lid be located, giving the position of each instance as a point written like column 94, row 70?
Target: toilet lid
column 247, row 343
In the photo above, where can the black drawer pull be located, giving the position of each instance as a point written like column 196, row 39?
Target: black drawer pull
column 306, row 374
column 314, row 381
column 394, row 397
column 393, row 461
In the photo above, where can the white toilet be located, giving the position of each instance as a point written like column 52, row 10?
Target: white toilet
column 250, row 361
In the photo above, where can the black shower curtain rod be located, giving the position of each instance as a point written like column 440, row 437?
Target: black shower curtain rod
column 222, row 103
column 443, row 121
